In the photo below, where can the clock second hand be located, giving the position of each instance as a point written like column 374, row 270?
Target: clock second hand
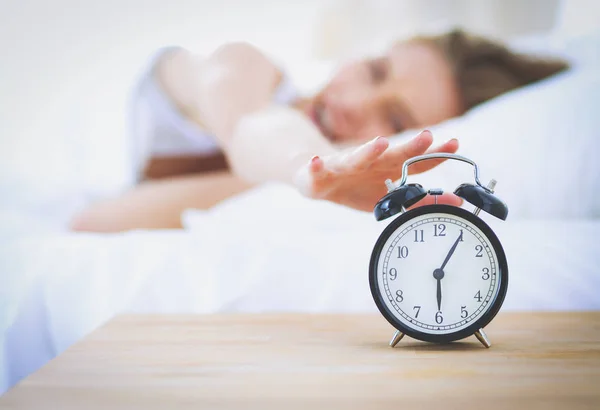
column 439, row 274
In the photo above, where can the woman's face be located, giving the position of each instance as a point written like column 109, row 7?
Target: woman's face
column 410, row 87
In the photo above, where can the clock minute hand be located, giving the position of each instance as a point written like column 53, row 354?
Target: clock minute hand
column 451, row 251
column 439, row 294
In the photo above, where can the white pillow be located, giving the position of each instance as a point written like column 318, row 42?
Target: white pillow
column 541, row 142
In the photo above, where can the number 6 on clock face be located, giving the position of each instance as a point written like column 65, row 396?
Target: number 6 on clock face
column 438, row 273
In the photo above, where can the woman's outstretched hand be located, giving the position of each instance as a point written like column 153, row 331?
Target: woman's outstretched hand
column 355, row 177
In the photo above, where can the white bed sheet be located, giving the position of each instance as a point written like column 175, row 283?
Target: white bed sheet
column 267, row 250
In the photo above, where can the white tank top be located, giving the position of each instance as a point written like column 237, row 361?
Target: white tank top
column 158, row 128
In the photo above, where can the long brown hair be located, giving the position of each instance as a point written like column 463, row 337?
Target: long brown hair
column 485, row 68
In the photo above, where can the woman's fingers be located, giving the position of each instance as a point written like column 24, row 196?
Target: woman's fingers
column 356, row 160
column 450, row 146
column 446, row 198
column 370, row 161
column 396, row 155
column 364, row 155
column 316, row 165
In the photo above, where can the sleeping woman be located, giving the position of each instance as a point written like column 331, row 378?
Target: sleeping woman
column 204, row 129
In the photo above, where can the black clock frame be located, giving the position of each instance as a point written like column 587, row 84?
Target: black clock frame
column 495, row 304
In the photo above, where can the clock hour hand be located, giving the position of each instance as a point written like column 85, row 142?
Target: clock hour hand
column 451, row 251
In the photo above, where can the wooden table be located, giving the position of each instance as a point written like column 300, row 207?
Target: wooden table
column 537, row 361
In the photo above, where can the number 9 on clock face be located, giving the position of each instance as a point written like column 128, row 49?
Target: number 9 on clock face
column 438, row 273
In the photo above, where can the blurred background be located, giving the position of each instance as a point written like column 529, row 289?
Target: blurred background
column 67, row 66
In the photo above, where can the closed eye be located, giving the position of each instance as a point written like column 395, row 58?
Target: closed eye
column 398, row 116
column 378, row 70
column 396, row 123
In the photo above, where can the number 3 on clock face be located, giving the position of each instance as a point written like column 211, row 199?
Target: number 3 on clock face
column 438, row 273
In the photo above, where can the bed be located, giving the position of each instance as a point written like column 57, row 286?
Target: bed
column 249, row 255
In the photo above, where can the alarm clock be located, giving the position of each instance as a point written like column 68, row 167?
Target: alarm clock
column 438, row 273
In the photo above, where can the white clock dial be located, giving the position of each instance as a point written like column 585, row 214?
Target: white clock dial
column 428, row 293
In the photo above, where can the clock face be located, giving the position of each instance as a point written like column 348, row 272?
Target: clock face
column 438, row 273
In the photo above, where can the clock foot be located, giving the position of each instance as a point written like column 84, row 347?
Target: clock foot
column 396, row 338
column 482, row 337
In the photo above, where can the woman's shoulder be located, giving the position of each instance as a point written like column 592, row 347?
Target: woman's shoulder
column 256, row 66
column 245, row 56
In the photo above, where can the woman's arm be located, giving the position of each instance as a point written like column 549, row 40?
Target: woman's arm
column 158, row 204
column 262, row 141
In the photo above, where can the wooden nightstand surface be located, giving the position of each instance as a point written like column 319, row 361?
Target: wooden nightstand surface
column 537, row 361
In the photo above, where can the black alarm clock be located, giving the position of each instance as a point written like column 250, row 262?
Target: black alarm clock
column 438, row 273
